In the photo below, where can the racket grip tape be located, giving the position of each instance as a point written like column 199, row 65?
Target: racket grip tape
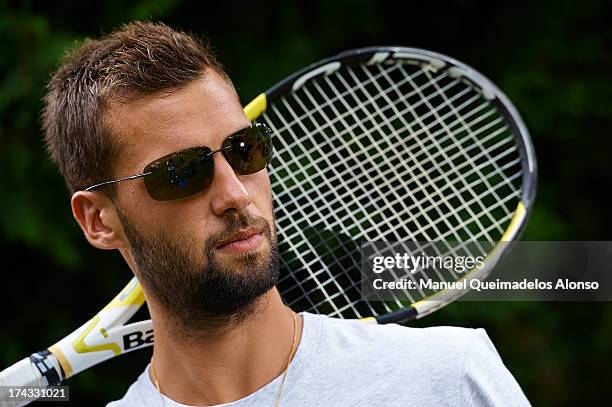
column 41, row 369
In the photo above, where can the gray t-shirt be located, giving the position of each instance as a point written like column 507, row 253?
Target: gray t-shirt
column 350, row 363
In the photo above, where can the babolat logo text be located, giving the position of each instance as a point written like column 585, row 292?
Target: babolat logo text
column 137, row 339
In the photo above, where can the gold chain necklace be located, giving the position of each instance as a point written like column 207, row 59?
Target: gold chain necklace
column 280, row 389
column 161, row 396
column 293, row 344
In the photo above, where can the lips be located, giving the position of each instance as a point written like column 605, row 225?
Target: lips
column 243, row 240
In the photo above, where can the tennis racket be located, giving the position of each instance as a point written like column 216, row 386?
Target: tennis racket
column 374, row 144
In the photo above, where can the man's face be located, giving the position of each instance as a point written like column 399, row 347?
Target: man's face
column 209, row 256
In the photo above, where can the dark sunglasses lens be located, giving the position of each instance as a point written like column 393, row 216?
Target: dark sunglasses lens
column 249, row 150
column 180, row 174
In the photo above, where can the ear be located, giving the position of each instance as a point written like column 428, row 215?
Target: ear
column 97, row 216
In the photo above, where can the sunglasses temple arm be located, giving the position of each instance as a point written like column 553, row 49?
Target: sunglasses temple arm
column 118, row 180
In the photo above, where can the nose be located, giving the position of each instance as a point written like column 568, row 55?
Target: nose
column 228, row 193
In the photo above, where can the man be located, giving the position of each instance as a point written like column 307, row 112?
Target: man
column 196, row 227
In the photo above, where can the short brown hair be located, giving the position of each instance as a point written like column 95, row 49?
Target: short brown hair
column 136, row 60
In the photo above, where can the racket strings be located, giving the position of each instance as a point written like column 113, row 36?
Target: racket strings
column 416, row 163
column 466, row 156
column 332, row 296
column 468, row 184
column 384, row 175
column 472, row 136
column 370, row 97
column 384, row 152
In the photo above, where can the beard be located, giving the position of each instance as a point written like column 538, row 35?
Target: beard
column 196, row 290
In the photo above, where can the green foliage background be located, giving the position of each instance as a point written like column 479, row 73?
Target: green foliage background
column 552, row 58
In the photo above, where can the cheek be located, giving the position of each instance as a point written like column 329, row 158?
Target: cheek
column 139, row 205
column 164, row 218
column 260, row 190
column 136, row 204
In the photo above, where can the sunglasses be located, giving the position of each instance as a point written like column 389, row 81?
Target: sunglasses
column 187, row 172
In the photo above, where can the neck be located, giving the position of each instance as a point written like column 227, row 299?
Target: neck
column 227, row 363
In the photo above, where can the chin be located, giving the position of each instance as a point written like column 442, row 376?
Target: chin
column 247, row 259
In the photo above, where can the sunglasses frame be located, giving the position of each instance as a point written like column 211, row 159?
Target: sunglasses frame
column 210, row 152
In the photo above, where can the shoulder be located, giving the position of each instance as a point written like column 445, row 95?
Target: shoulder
column 433, row 352
column 391, row 337
column 449, row 365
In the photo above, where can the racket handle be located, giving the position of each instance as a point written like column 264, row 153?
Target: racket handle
column 27, row 372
